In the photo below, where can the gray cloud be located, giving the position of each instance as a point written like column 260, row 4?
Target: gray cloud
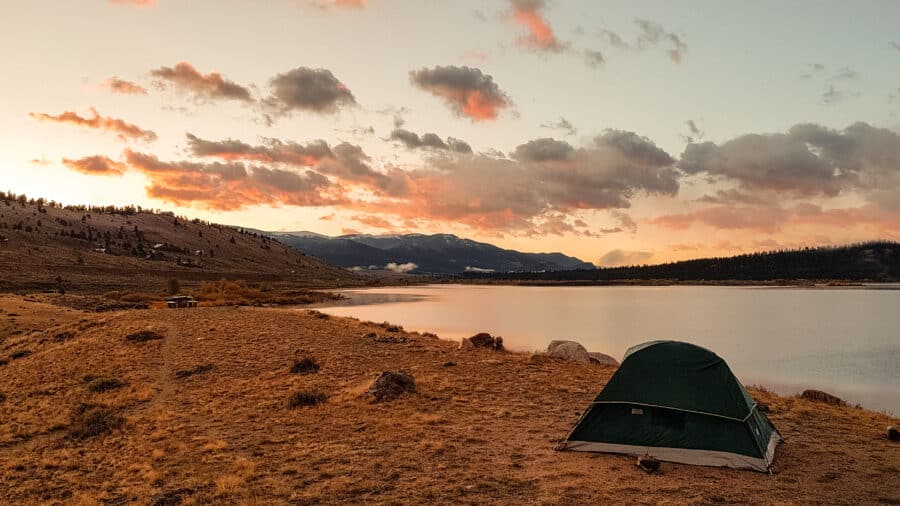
column 212, row 86
column 651, row 35
column 429, row 141
column 543, row 150
column 808, row 159
column 563, row 124
column 593, row 58
column 306, row 89
column 467, row 91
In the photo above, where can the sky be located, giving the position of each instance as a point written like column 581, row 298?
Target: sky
column 619, row 132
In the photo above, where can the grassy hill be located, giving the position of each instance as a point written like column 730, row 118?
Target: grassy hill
column 872, row 261
column 93, row 249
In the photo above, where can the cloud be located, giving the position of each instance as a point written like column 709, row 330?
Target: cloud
column 844, row 74
column 345, row 161
column 212, row 86
column 306, row 89
column 474, row 56
column 540, row 36
column 116, row 85
column 593, row 58
column 771, row 218
column 95, row 165
column 618, row 257
column 651, row 35
column 467, row 91
column 401, row 268
column 372, row 221
column 833, row 96
column 231, row 185
column 545, row 178
column 429, row 141
column 123, row 130
column 895, row 45
column 563, row 124
column 807, row 160
column 694, row 132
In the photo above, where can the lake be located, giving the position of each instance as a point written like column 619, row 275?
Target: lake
column 842, row 340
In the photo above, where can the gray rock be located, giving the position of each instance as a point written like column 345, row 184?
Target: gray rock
column 603, row 359
column 569, row 351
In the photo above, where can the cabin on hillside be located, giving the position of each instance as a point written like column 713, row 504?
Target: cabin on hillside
column 180, row 301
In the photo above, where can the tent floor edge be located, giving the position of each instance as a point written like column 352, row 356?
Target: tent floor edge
column 709, row 458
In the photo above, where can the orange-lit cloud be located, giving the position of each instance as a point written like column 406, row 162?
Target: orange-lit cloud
column 373, row 221
column 467, row 91
column 211, row 86
column 95, row 165
column 122, row 129
column 232, row 185
column 116, row 85
column 540, row 35
column 342, row 4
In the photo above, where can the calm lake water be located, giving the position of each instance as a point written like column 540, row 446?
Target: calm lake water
column 844, row 341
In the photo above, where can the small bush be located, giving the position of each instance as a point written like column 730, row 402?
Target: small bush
column 302, row 399
column 63, row 336
column 143, row 336
column 305, row 365
column 200, row 369
column 390, row 385
column 19, row 354
column 104, row 385
column 2, row 397
column 89, row 420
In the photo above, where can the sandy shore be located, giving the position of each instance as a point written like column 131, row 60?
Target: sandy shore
column 481, row 430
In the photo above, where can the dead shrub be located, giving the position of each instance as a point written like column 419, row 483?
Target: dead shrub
column 303, row 399
column 104, row 385
column 824, row 397
column 2, row 397
column 305, row 365
column 143, row 336
column 90, row 420
column 19, row 354
column 390, row 385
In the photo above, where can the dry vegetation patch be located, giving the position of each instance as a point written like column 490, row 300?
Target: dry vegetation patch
column 305, row 365
column 143, row 336
column 306, row 398
column 90, row 420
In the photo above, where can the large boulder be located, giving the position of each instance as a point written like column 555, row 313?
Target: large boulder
column 603, row 359
column 569, row 351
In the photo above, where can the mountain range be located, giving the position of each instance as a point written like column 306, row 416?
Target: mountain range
column 423, row 254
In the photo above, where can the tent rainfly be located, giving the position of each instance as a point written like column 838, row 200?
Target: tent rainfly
column 676, row 402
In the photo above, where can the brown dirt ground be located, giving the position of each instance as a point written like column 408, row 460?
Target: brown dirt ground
column 481, row 431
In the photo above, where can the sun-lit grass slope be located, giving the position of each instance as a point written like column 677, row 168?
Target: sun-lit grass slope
column 94, row 249
column 224, row 405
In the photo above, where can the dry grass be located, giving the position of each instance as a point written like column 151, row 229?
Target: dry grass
column 241, row 293
column 480, row 432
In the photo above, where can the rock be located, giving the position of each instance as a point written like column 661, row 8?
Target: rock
column 481, row 340
column 390, row 385
column 446, row 364
column 603, row 359
column 569, row 351
column 825, row 397
column 893, row 434
column 762, row 407
column 648, row 463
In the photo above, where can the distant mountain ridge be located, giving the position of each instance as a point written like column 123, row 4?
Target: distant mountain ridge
column 877, row 261
column 423, row 254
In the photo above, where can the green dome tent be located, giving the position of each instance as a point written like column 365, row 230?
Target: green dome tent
column 676, row 402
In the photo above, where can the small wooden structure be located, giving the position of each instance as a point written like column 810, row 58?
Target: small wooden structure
column 180, row 301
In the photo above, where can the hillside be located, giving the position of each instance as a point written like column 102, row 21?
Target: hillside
column 92, row 249
column 200, row 415
column 431, row 254
column 872, row 261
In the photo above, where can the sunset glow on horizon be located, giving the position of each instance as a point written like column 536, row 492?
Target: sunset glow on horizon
column 616, row 132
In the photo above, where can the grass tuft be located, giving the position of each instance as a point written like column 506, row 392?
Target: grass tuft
column 143, row 336
column 104, row 385
column 306, row 365
column 90, row 420
column 303, row 399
